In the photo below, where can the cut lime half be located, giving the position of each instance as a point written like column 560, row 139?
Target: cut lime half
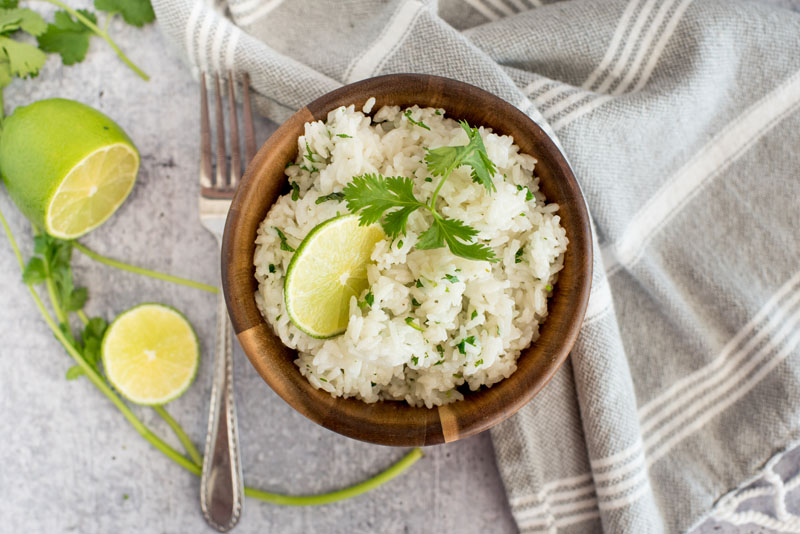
column 68, row 167
column 328, row 268
column 92, row 191
column 150, row 354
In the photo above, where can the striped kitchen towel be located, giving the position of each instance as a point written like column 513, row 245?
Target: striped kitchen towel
column 681, row 121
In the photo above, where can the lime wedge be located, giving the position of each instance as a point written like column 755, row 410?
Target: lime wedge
column 329, row 267
column 67, row 166
column 150, row 354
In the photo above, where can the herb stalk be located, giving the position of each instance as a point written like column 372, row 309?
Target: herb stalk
column 142, row 271
column 103, row 33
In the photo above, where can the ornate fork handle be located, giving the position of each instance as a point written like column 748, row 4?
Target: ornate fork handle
column 221, row 485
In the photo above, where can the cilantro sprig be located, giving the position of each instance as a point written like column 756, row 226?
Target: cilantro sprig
column 67, row 35
column 391, row 200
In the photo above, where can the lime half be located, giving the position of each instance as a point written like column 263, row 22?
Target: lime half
column 329, row 267
column 67, row 166
column 150, row 354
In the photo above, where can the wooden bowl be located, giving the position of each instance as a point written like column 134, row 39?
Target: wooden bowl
column 392, row 422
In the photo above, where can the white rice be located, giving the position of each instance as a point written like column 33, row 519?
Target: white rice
column 500, row 305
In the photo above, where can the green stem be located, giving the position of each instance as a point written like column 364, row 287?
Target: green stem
column 194, row 467
column 51, row 291
column 82, row 316
column 363, row 487
column 101, row 33
column 445, row 176
column 61, row 317
column 182, row 436
column 139, row 270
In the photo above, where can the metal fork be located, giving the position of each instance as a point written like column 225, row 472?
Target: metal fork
column 221, row 485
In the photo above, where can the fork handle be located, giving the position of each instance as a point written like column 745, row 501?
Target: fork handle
column 221, row 484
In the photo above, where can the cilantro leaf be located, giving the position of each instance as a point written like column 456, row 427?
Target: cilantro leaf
column 134, row 12
column 9, row 4
column 74, row 372
column 19, row 59
column 92, row 338
column 67, row 36
column 456, row 235
column 443, row 160
column 23, row 19
column 35, row 272
column 373, row 195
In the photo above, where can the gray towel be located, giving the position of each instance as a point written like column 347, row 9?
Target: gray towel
column 681, row 121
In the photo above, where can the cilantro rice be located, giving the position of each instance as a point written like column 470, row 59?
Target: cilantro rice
column 431, row 325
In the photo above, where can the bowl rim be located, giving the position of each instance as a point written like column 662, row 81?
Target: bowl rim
column 395, row 422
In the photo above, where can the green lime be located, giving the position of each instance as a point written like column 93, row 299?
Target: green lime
column 150, row 354
column 67, row 166
column 328, row 268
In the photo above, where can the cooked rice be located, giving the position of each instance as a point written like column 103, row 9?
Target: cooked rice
column 500, row 305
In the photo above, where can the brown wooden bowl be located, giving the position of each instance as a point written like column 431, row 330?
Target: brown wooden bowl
column 392, row 422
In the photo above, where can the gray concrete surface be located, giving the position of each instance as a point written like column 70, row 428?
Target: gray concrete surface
column 70, row 462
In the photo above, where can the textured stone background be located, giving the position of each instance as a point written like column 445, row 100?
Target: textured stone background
column 70, row 463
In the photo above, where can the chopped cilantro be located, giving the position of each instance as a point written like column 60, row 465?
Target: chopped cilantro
column 345, row 136
column 548, row 287
column 410, row 322
column 479, row 362
column 338, row 196
column 284, row 245
column 428, row 179
column 474, row 314
column 421, row 124
column 272, row 267
column 450, row 278
column 370, row 298
column 419, row 283
column 295, row 190
column 414, row 302
column 518, row 255
column 415, row 360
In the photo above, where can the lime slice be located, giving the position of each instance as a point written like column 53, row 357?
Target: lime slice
column 329, row 267
column 150, row 354
column 67, row 166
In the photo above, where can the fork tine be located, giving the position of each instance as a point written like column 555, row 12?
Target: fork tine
column 205, row 136
column 236, row 151
column 222, row 162
column 247, row 117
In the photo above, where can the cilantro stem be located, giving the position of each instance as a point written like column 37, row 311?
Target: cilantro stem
column 353, row 491
column 82, row 316
column 51, row 291
column 193, row 465
column 100, row 33
column 196, row 457
column 445, row 176
column 142, row 271
column 61, row 317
